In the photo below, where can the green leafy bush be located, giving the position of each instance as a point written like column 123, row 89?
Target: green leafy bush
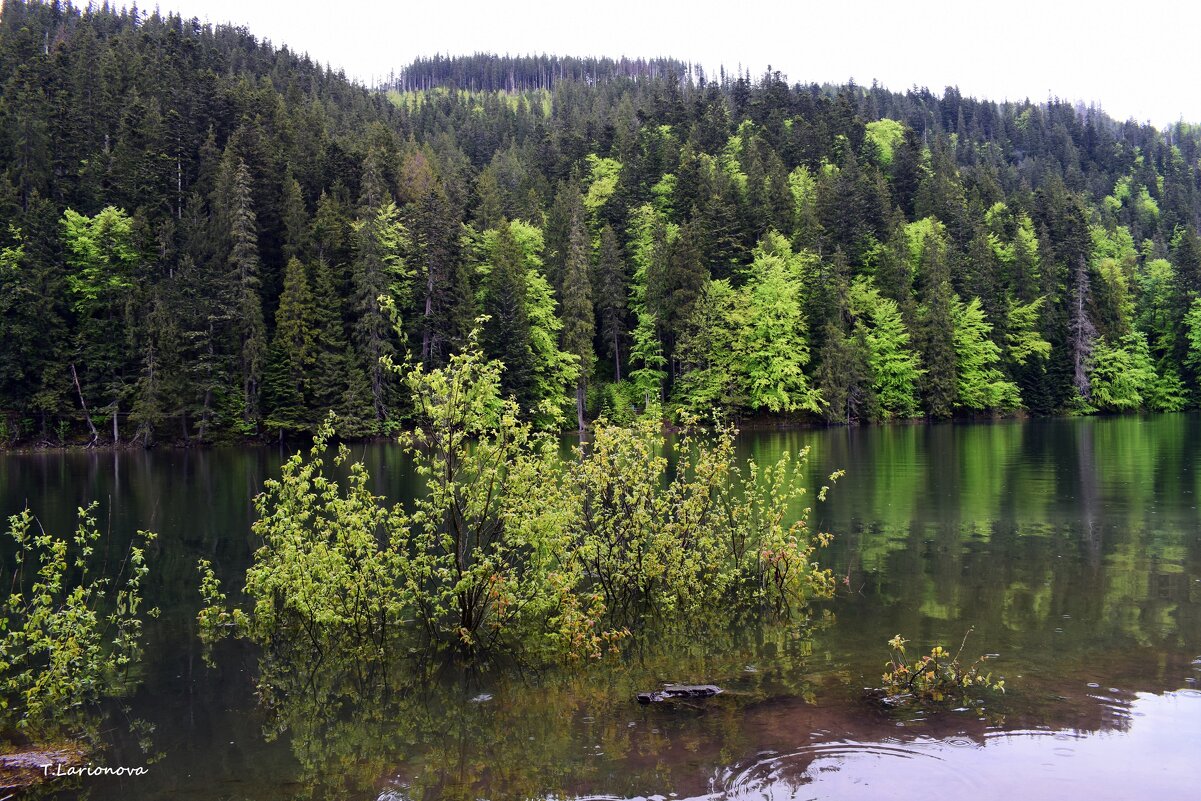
column 68, row 638
column 511, row 547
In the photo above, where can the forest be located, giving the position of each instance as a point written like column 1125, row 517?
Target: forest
column 205, row 237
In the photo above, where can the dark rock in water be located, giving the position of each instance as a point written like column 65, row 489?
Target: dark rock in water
column 29, row 767
column 674, row 691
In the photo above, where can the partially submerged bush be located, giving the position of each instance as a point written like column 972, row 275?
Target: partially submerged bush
column 715, row 534
column 69, row 637
column 935, row 677
column 509, row 546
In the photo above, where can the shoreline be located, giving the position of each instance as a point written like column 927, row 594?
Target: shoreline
column 756, row 424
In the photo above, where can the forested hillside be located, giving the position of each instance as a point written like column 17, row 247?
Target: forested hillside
column 205, row 237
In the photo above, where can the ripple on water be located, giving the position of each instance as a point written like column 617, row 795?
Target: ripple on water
column 778, row 775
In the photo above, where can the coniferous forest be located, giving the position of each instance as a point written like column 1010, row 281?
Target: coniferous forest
column 204, row 237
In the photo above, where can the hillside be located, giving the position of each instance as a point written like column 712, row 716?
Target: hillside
column 204, row 237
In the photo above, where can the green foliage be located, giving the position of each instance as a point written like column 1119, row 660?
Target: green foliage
column 713, row 351
column 293, row 356
column 603, row 175
column 1023, row 342
column 70, row 638
column 981, row 386
column 678, row 548
column 1192, row 322
column 523, row 329
column 896, row 368
column 620, row 401
column 886, row 134
column 486, row 548
column 102, row 255
column 647, row 354
column 510, row 546
column 775, row 346
column 1122, row 375
column 937, row 677
column 207, row 175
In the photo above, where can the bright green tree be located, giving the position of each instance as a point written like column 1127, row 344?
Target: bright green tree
column 981, row 386
column 776, row 348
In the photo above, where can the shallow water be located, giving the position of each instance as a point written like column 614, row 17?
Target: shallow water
column 1072, row 548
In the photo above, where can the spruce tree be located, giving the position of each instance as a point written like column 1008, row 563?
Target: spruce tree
column 937, row 327
column 242, row 306
column 579, row 324
column 380, row 277
column 506, row 334
column 293, row 356
column 612, row 297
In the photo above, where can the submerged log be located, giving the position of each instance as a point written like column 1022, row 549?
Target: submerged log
column 674, row 691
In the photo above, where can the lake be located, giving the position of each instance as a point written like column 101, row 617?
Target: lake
column 1071, row 549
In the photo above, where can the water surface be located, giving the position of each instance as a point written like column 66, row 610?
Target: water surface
column 1072, row 548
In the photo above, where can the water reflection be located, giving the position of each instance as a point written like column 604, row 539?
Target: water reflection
column 1072, row 547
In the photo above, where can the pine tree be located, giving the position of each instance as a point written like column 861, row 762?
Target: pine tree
column 895, row 367
column 296, row 223
column 579, row 324
column 242, row 306
column 506, row 335
column 844, row 378
column 381, row 285
column 712, row 352
column 444, row 312
column 611, row 297
column 293, row 356
column 937, row 325
column 329, row 379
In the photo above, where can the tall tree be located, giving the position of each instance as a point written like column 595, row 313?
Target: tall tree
column 293, row 355
column 506, row 334
column 611, row 296
column 579, row 318
column 381, row 286
column 242, row 303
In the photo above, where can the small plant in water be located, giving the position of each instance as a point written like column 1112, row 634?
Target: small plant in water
column 70, row 637
column 934, row 677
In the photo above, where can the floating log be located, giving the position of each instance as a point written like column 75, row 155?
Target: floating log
column 671, row 692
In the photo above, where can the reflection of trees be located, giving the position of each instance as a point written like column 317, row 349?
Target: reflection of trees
column 439, row 731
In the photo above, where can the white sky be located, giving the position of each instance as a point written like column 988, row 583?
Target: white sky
column 1133, row 59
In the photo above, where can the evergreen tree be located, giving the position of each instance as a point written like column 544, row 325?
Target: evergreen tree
column 241, row 302
column 579, row 324
column 937, row 326
column 611, row 297
column 980, row 386
column 894, row 367
column 712, row 352
column 776, row 348
column 844, row 377
column 381, row 287
column 506, row 333
column 293, row 355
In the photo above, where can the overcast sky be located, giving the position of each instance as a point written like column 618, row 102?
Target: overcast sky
column 1133, row 59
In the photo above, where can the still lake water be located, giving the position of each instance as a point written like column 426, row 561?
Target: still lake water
column 1071, row 547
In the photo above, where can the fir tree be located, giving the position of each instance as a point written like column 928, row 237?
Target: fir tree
column 612, row 293
column 293, row 356
column 579, row 325
column 506, row 334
